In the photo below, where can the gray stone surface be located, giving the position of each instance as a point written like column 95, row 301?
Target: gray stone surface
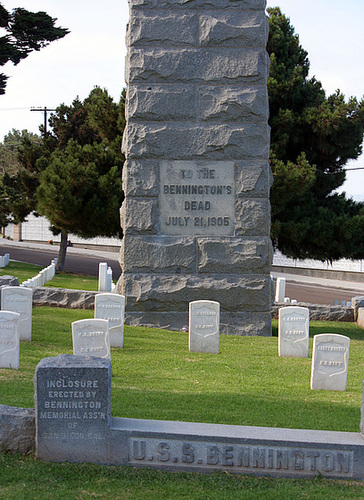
column 319, row 312
column 72, row 403
column 196, row 144
column 8, row 281
column 17, row 429
column 62, row 297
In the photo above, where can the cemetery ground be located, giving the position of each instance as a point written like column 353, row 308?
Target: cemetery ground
column 24, row 271
column 155, row 377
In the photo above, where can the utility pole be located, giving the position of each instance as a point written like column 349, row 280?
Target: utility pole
column 45, row 111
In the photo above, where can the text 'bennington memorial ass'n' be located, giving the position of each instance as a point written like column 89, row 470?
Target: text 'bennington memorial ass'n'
column 196, row 215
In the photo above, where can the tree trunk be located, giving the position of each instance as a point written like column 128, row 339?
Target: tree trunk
column 62, row 251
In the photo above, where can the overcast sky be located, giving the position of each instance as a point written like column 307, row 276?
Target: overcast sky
column 94, row 53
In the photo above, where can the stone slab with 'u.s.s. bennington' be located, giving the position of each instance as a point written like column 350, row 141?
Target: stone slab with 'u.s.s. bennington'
column 9, row 339
column 91, row 338
column 293, row 331
column 330, row 360
column 111, row 306
column 204, row 322
column 20, row 300
column 73, row 424
column 196, row 214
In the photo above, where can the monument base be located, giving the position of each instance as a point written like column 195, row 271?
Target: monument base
column 244, row 324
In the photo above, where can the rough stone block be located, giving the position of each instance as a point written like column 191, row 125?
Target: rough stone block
column 199, row 66
column 234, row 255
column 158, row 254
column 136, row 183
column 159, row 27
column 161, row 103
column 148, row 292
column 252, row 178
column 231, row 28
column 200, row 4
column 193, row 142
column 252, row 217
column 17, row 429
column 233, row 103
column 61, row 297
column 244, row 323
column 142, row 216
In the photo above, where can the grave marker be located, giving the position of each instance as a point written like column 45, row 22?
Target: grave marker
column 330, row 362
column 9, row 340
column 293, row 331
column 204, row 322
column 72, row 402
column 111, row 306
column 19, row 299
column 280, row 290
column 91, row 338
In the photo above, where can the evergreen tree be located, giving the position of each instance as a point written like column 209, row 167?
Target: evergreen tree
column 312, row 138
column 25, row 31
column 80, row 181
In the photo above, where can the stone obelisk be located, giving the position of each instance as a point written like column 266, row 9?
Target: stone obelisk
column 196, row 215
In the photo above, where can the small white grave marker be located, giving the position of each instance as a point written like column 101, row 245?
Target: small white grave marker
column 111, row 306
column 9, row 340
column 102, row 276
column 280, row 290
column 91, row 338
column 19, row 299
column 330, row 362
column 293, row 331
column 204, row 323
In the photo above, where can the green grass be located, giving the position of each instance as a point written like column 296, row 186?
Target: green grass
column 61, row 280
column 154, row 376
column 25, row 477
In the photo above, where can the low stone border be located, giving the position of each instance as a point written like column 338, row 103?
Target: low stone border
column 62, row 297
column 320, row 312
column 17, row 429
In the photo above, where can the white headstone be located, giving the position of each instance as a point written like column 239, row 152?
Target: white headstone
column 204, row 323
column 293, row 331
column 91, row 338
column 7, row 258
column 102, row 276
column 108, row 285
column 280, row 289
column 9, row 339
column 111, row 306
column 2, row 261
column 330, row 362
column 19, row 299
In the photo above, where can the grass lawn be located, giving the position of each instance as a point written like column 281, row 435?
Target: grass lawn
column 154, row 376
column 61, row 280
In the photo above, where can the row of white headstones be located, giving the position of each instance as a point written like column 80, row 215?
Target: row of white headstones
column 94, row 337
column 4, row 260
column 45, row 275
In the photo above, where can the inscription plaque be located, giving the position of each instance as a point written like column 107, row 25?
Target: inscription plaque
column 197, row 198
column 240, row 457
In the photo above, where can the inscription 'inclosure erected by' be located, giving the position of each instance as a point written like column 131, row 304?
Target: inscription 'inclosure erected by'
column 196, row 177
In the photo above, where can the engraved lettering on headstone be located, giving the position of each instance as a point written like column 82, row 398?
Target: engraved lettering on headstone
column 197, row 198
column 330, row 362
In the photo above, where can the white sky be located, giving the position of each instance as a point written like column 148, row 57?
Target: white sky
column 94, row 53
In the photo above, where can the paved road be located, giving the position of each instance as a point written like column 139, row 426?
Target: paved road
column 302, row 288
column 78, row 260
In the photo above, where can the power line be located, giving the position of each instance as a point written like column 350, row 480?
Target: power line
column 45, row 111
